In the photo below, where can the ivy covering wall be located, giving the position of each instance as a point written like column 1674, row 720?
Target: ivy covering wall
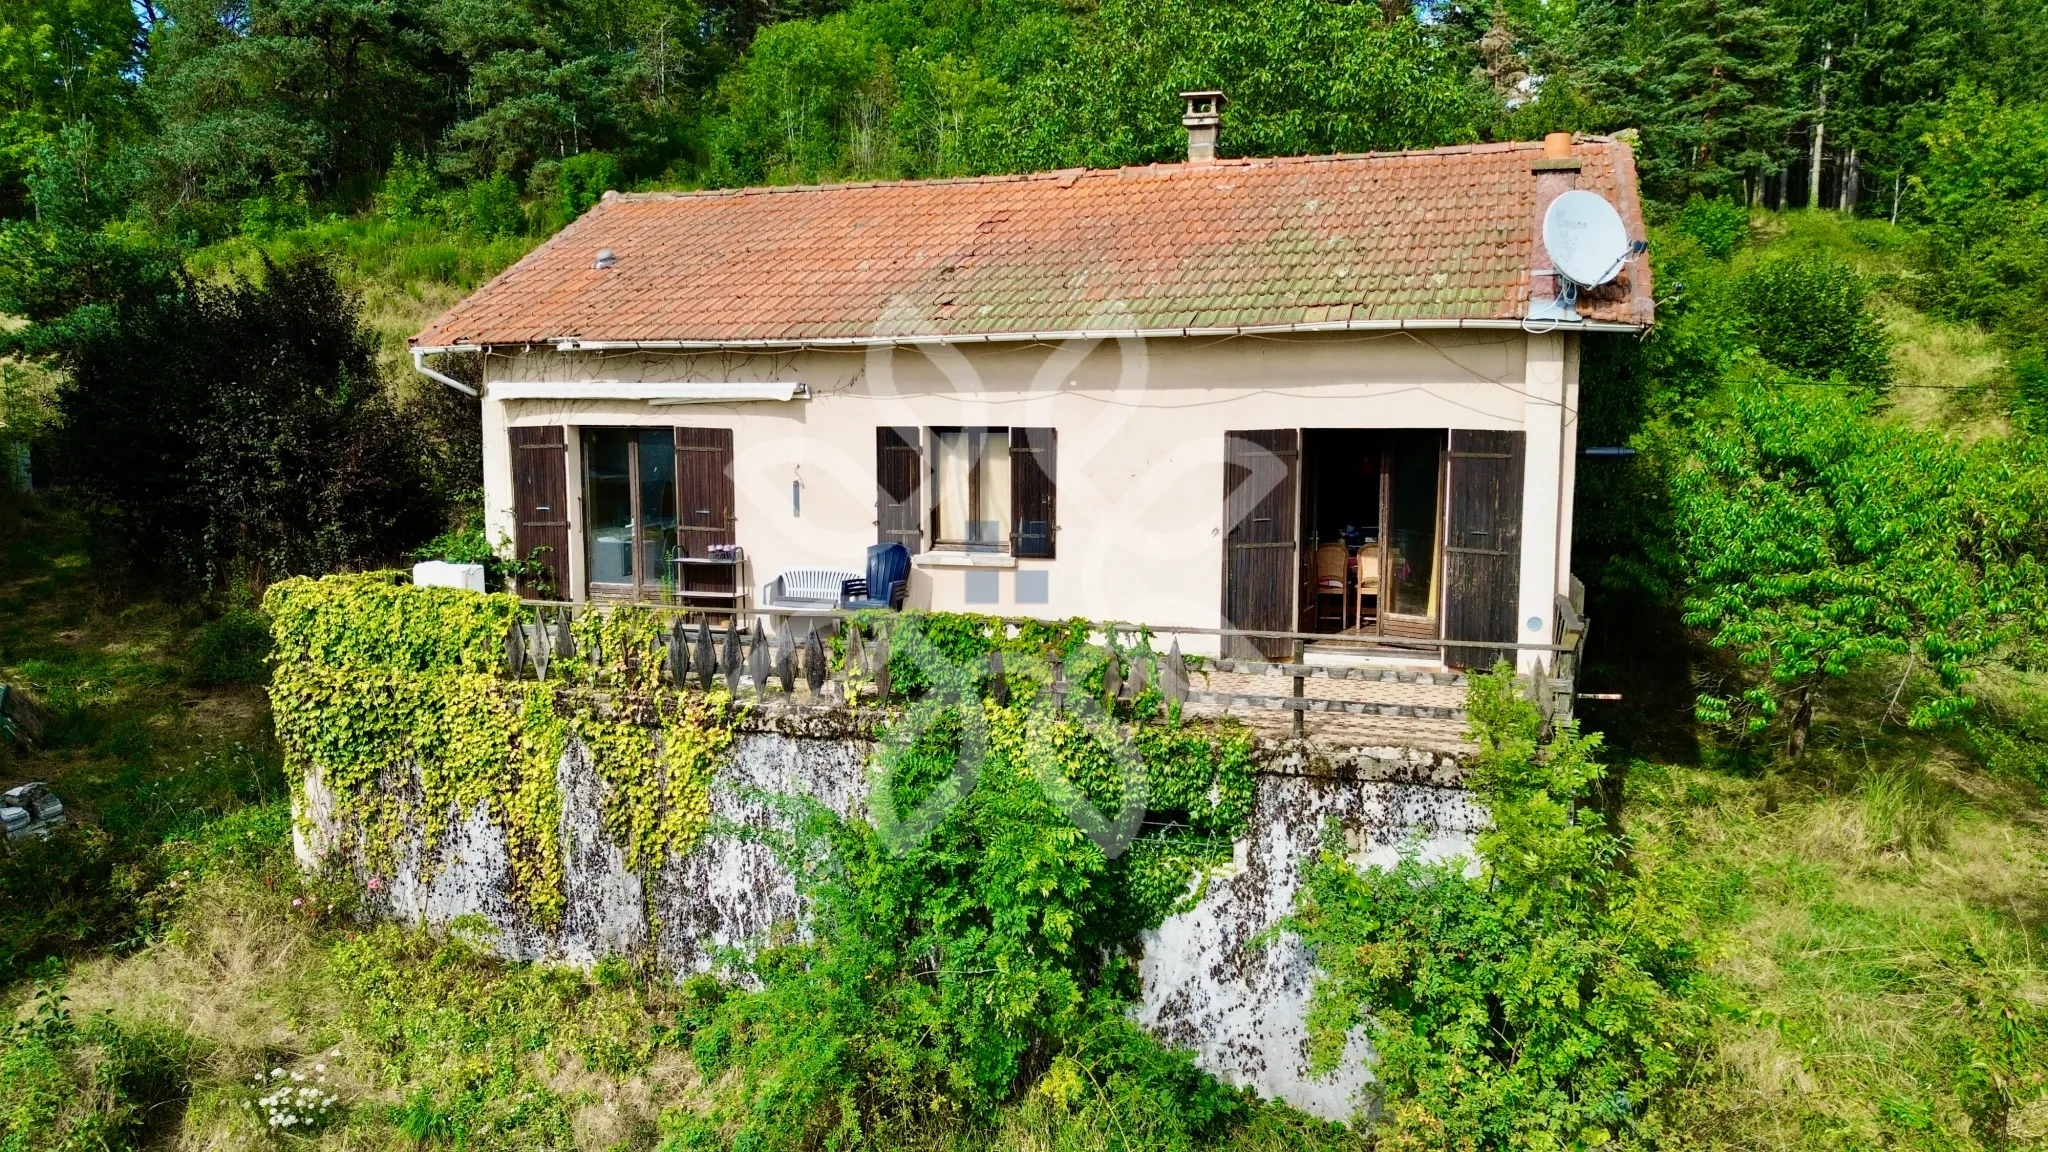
column 380, row 683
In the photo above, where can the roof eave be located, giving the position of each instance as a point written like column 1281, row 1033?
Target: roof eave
column 881, row 339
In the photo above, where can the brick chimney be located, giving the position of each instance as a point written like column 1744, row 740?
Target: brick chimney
column 1556, row 172
column 1204, row 122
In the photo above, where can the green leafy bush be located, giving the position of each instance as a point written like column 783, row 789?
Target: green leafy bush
column 1810, row 316
column 234, row 649
column 488, row 208
column 1548, row 1000
column 1720, row 226
column 410, row 190
column 581, row 180
column 265, row 444
column 947, row 972
column 1815, row 538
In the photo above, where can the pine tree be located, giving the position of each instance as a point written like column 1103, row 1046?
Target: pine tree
column 1709, row 83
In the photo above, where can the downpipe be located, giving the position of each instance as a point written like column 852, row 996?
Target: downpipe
column 419, row 365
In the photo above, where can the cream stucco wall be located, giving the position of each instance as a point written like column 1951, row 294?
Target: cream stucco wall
column 1140, row 449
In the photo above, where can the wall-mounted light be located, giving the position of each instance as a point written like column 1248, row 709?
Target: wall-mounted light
column 796, row 495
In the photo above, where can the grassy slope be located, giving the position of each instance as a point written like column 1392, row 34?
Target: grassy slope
column 1879, row 938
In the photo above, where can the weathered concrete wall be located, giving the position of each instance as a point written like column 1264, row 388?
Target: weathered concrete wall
column 1211, row 984
column 726, row 892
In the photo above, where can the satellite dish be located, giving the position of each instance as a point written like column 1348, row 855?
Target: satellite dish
column 1587, row 241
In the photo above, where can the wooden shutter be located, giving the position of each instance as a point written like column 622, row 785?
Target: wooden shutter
column 899, row 468
column 540, row 505
column 704, row 499
column 1259, row 563
column 1034, row 493
column 1482, row 544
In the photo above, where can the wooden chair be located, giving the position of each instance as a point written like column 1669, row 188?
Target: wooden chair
column 1330, row 582
column 1368, row 585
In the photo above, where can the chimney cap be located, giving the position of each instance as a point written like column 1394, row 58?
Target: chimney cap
column 1207, row 105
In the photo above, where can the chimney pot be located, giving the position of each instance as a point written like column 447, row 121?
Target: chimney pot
column 1204, row 122
column 1557, row 146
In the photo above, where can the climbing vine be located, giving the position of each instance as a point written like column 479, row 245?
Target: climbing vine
column 377, row 678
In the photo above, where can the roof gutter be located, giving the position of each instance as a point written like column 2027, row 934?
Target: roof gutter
column 572, row 344
column 419, row 365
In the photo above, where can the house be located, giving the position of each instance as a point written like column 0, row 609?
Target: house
column 1300, row 394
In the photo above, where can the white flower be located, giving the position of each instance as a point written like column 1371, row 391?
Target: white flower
column 320, row 1068
column 297, row 1076
column 276, row 1073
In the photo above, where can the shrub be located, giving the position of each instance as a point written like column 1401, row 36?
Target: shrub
column 410, row 190
column 234, row 649
column 488, row 208
column 1720, row 226
column 952, row 965
column 92, row 1083
column 1547, row 1000
column 581, row 180
column 1808, row 315
column 1813, row 538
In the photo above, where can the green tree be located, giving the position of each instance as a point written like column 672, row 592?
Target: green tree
column 248, row 94
column 61, row 62
column 1818, row 539
column 1708, row 82
column 542, row 80
column 1302, row 77
column 240, row 431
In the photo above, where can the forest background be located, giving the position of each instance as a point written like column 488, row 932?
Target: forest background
column 1819, row 586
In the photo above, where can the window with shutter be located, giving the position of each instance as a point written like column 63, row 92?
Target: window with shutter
column 899, row 466
column 1034, row 491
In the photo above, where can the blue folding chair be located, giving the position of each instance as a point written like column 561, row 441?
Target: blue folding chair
column 885, row 585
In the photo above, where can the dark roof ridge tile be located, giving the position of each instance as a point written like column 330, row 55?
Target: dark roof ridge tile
column 1170, row 168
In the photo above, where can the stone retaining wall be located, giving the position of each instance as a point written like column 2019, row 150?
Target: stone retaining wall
column 1210, row 984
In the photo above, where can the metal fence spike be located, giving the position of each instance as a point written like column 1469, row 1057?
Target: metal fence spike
column 785, row 658
column 678, row 653
column 707, row 660
column 814, row 664
column 1173, row 674
column 856, row 656
column 757, row 662
column 515, row 650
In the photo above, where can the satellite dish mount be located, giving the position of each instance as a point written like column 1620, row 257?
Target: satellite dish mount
column 1587, row 243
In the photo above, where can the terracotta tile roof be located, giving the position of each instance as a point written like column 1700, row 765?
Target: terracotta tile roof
column 1428, row 237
